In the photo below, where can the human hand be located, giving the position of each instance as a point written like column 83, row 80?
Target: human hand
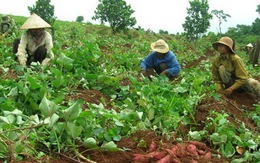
column 46, row 61
column 221, row 91
column 164, row 72
column 144, row 72
column 228, row 91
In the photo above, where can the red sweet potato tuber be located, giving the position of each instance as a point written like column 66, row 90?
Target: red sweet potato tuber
column 166, row 159
column 192, row 149
column 199, row 145
column 159, row 155
column 171, row 153
column 208, row 155
column 139, row 158
column 201, row 152
column 194, row 161
column 152, row 146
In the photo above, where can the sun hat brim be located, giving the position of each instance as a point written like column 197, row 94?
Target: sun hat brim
column 215, row 45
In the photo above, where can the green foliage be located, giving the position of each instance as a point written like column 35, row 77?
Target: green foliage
column 44, row 9
column 116, row 12
column 198, row 20
column 256, row 26
column 221, row 16
column 258, row 9
column 163, row 32
column 80, row 19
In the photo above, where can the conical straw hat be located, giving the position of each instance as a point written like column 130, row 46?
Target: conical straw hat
column 34, row 21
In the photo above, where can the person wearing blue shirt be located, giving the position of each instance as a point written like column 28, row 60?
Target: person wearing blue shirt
column 161, row 60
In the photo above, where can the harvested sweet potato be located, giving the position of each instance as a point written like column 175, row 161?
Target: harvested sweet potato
column 152, row 146
column 199, row 145
column 192, row 149
column 166, row 159
column 139, row 158
column 201, row 152
column 159, row 155
column 208, row 155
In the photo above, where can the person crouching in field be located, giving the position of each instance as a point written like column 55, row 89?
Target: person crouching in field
column 161, row 60
column 229, row 72
column 35, row 44
column 7, row 25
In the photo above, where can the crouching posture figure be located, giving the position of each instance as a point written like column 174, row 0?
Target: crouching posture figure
column 162, row 60
column 35, row 44
column 229, row 72
column 7, row 25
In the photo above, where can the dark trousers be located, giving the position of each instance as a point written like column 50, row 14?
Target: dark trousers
column 38, row 56
column 159, row 69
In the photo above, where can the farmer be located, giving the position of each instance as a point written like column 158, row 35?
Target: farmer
column 7, row 25
column 229, row 72
column 249, row 48
column 249, row 51
column 35, row 44
column 161, row 60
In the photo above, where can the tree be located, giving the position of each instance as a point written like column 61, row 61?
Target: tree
column 44, row 9
column 256, row 23
column 80, row 19
column 221, row 16
column 198, row 20
column 258, row 9
column 256, row 27
column 116, row 12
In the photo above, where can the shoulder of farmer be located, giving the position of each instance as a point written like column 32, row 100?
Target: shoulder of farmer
column 24, row 39
column 238, row 63
column 236, row 59
column 170, row 53
column 48, row 40
column 153, row 53
column 150, row 56
column 25, row 35
column 47, row 33
column 48, row 36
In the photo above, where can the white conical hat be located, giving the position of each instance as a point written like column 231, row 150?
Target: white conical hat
column 34, row 21
column 249, row 45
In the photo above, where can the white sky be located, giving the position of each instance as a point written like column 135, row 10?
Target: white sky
column 168, row 15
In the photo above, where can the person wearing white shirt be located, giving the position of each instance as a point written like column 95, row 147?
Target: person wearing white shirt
column 35, row 44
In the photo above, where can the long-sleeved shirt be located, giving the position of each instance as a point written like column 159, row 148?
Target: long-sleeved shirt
column 169, row 59
column 28, row 43
column 234, row 64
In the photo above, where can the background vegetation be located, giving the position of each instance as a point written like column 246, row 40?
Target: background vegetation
column 38, row 119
